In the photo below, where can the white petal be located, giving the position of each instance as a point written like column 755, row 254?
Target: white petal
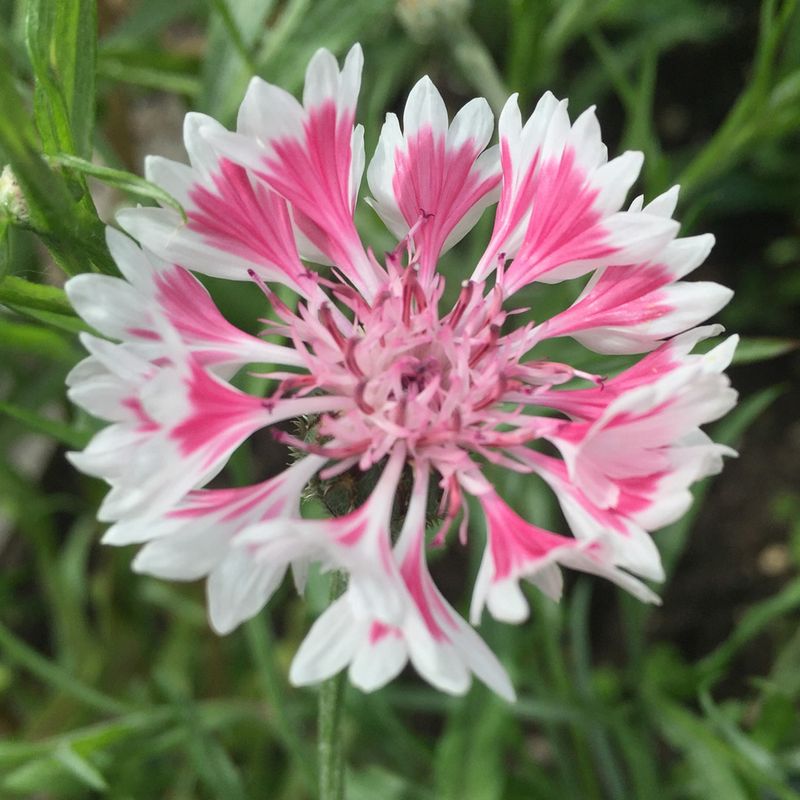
column 238, row 589
column 376, row 664
column 425, row 108
column 329, row 646
column 184, row 556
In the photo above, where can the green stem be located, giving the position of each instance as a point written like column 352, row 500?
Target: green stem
column 331, row 700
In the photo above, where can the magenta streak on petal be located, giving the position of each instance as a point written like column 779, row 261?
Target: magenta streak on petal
column 514, row 541
column 431, row 180
column 353, row 534
column 219, row 415
column 636, row 493
column 415, row 581
column 622, row 296
column 246, row 219
column 379, row 631
column 191, row 310
column 143, row 333
column 146, row 424
column 233, row 502
column 313, row 174
column 515, row 200
column 435, row 613
column 588, row 404
column 563, row 226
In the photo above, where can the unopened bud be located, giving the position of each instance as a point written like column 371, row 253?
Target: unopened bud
column 12, row 202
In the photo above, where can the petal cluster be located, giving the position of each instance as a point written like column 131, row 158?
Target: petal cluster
column 392, row 373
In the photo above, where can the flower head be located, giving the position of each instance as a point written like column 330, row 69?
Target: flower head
column 394, row 373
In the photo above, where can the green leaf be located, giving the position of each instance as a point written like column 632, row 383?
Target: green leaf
column 60, row 431
column 375, row 782
column 753, row 349
column 70, row 229
column 149, row 70
column 235, row 28
column 21, row 337
column 710, row 760
column 469, row 756
column 16, row 650
column 62, row 43
column 69, row 323
column 5, row 246
column 714, row 665
column 80, row 768
column 126, row 181
column 33, row 777
column 18, row 292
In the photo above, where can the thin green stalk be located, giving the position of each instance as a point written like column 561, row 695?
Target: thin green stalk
column 331, row 700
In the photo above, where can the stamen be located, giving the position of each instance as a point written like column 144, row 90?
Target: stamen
column 326, row 318
column 277, row 304
column 350, row 356
column 358, row 396
column 494, row 335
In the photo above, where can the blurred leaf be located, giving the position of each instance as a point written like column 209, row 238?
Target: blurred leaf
column 234, row 30
column 754, row 349
column 19, row 292
column 37, row 776
column 126, row 181
column 60, row 431
column 470, row 754
column 150, row 68
column 62, row 43
column 147, row 19
column 69, row 323
column 16, row 650
column 5, row 246
column 20, row 337
column 753, row 755
column 80, row 768
column 69, row 227
column 709, row 759
column 754, row 621
column 375, row 782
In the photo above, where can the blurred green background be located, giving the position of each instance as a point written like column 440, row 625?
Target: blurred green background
column 112, row 685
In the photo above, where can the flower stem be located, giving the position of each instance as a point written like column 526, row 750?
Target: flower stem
column 331, row 700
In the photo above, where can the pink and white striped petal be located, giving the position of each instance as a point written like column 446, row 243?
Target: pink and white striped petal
column 589, row 404
column 128, row 310
column 632, row 309
column 440, row 645
column 194, row 539
column 636, row 434
column 359, row 542
column 434, row 178
column 185, row 423
column 313, row 156
column 559, row 212
column 516, row 549
column 234, row 222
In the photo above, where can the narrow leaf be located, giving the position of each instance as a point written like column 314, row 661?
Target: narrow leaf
column 60, row 431
column 62, row 43
column 80, row 768
column 19, row 292
column 126, row 181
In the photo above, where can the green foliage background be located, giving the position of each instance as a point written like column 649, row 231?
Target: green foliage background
column 111, row 685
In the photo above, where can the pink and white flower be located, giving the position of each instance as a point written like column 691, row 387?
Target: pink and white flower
column 392, row 373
